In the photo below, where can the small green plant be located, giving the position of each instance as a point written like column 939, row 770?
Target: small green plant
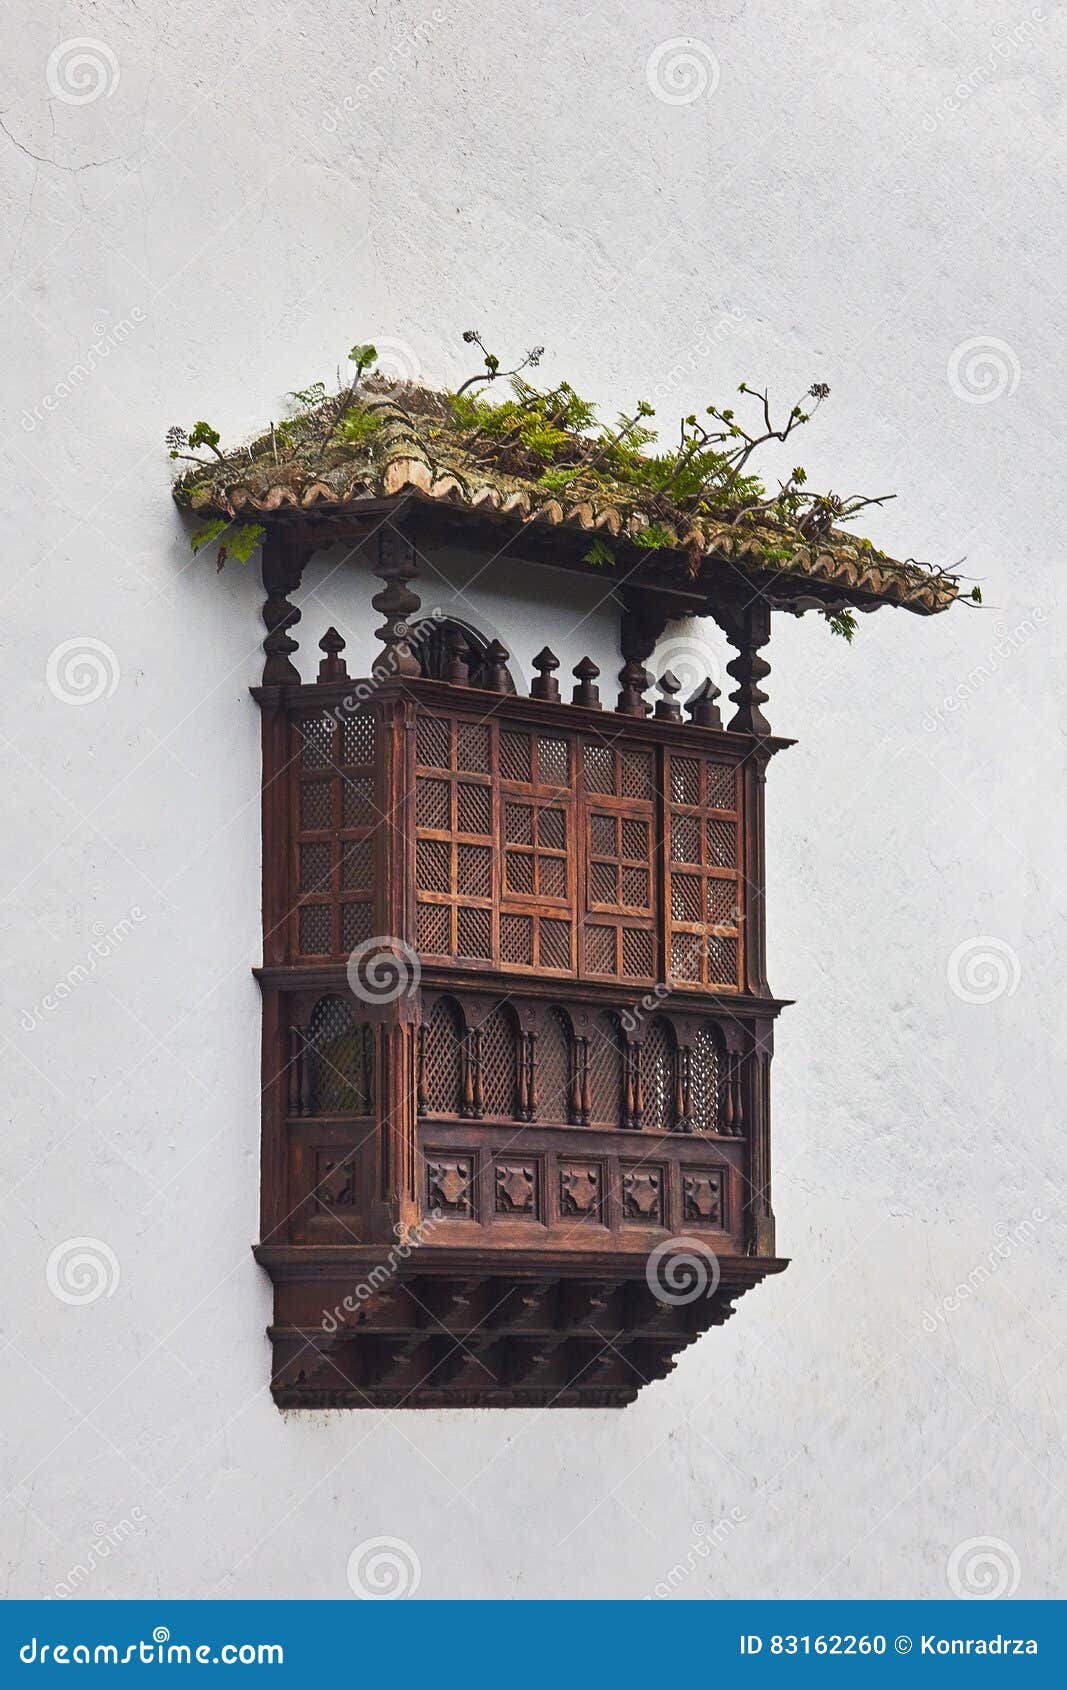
column 704, row 487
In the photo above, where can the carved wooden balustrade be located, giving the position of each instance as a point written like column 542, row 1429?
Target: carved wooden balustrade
column 517, row 1029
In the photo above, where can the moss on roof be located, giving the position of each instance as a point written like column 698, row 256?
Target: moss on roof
column 405, row 441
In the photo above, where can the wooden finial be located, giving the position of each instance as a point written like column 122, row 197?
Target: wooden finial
column 496, row 667
column 396, row 602
column 667, row 708
column 586, row 692
column 635, row 681
column 333, row 666
column 702, row 707
column 545, row 686
column 457, row 668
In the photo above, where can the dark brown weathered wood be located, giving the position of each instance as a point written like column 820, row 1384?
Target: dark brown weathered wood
column 575, row 1069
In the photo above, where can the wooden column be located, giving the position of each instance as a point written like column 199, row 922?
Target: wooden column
column 282, row 569
column 396, row 602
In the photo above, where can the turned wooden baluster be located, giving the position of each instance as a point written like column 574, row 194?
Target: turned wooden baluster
column 282, row 568
column 299, row 1075
column 473, row 1107
column 635, row 681
column 545, row 686
column 748, row 627
column 422, row 1095
column 635, row 1089
column 683, row 1113
column 396, row 602
column 525, row 1110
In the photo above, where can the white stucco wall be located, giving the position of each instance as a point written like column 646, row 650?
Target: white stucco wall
column 857, row 193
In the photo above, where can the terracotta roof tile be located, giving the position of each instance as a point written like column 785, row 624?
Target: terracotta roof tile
column 399, row 463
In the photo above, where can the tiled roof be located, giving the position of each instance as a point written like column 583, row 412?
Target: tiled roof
column 405, row 457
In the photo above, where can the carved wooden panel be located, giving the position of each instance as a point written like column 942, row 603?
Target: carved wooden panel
column 581, row 1191
column 702, row 1194
column 450, row 1184
column 643, row 1187
column 516, row 1187
column 331, row 775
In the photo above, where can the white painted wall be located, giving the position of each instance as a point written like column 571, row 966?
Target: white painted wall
column 219, row 227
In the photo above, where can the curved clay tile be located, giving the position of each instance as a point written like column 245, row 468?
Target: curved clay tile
column 407, row 472
column 610, row 519
column 581, row 516
column 550, row 511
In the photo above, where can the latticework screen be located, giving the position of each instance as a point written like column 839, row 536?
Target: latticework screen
column 704, row 872
column 706, row 1078
column 657, row 1070
column 442, row 1059
column 334, row 823
column 619, row 812
column 339, row 1052
column 497, row 1050
column 605, row 1072
column 569, row 854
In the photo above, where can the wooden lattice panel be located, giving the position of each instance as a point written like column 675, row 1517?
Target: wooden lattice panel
column 537, row 850
column 494, row 849
column 707, row 1073
column 658, row 1076
column 334, row 823
column 339, row 1054
column 441, row 1060
column 618, row 802
column 455, row 855
column 703, row 872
